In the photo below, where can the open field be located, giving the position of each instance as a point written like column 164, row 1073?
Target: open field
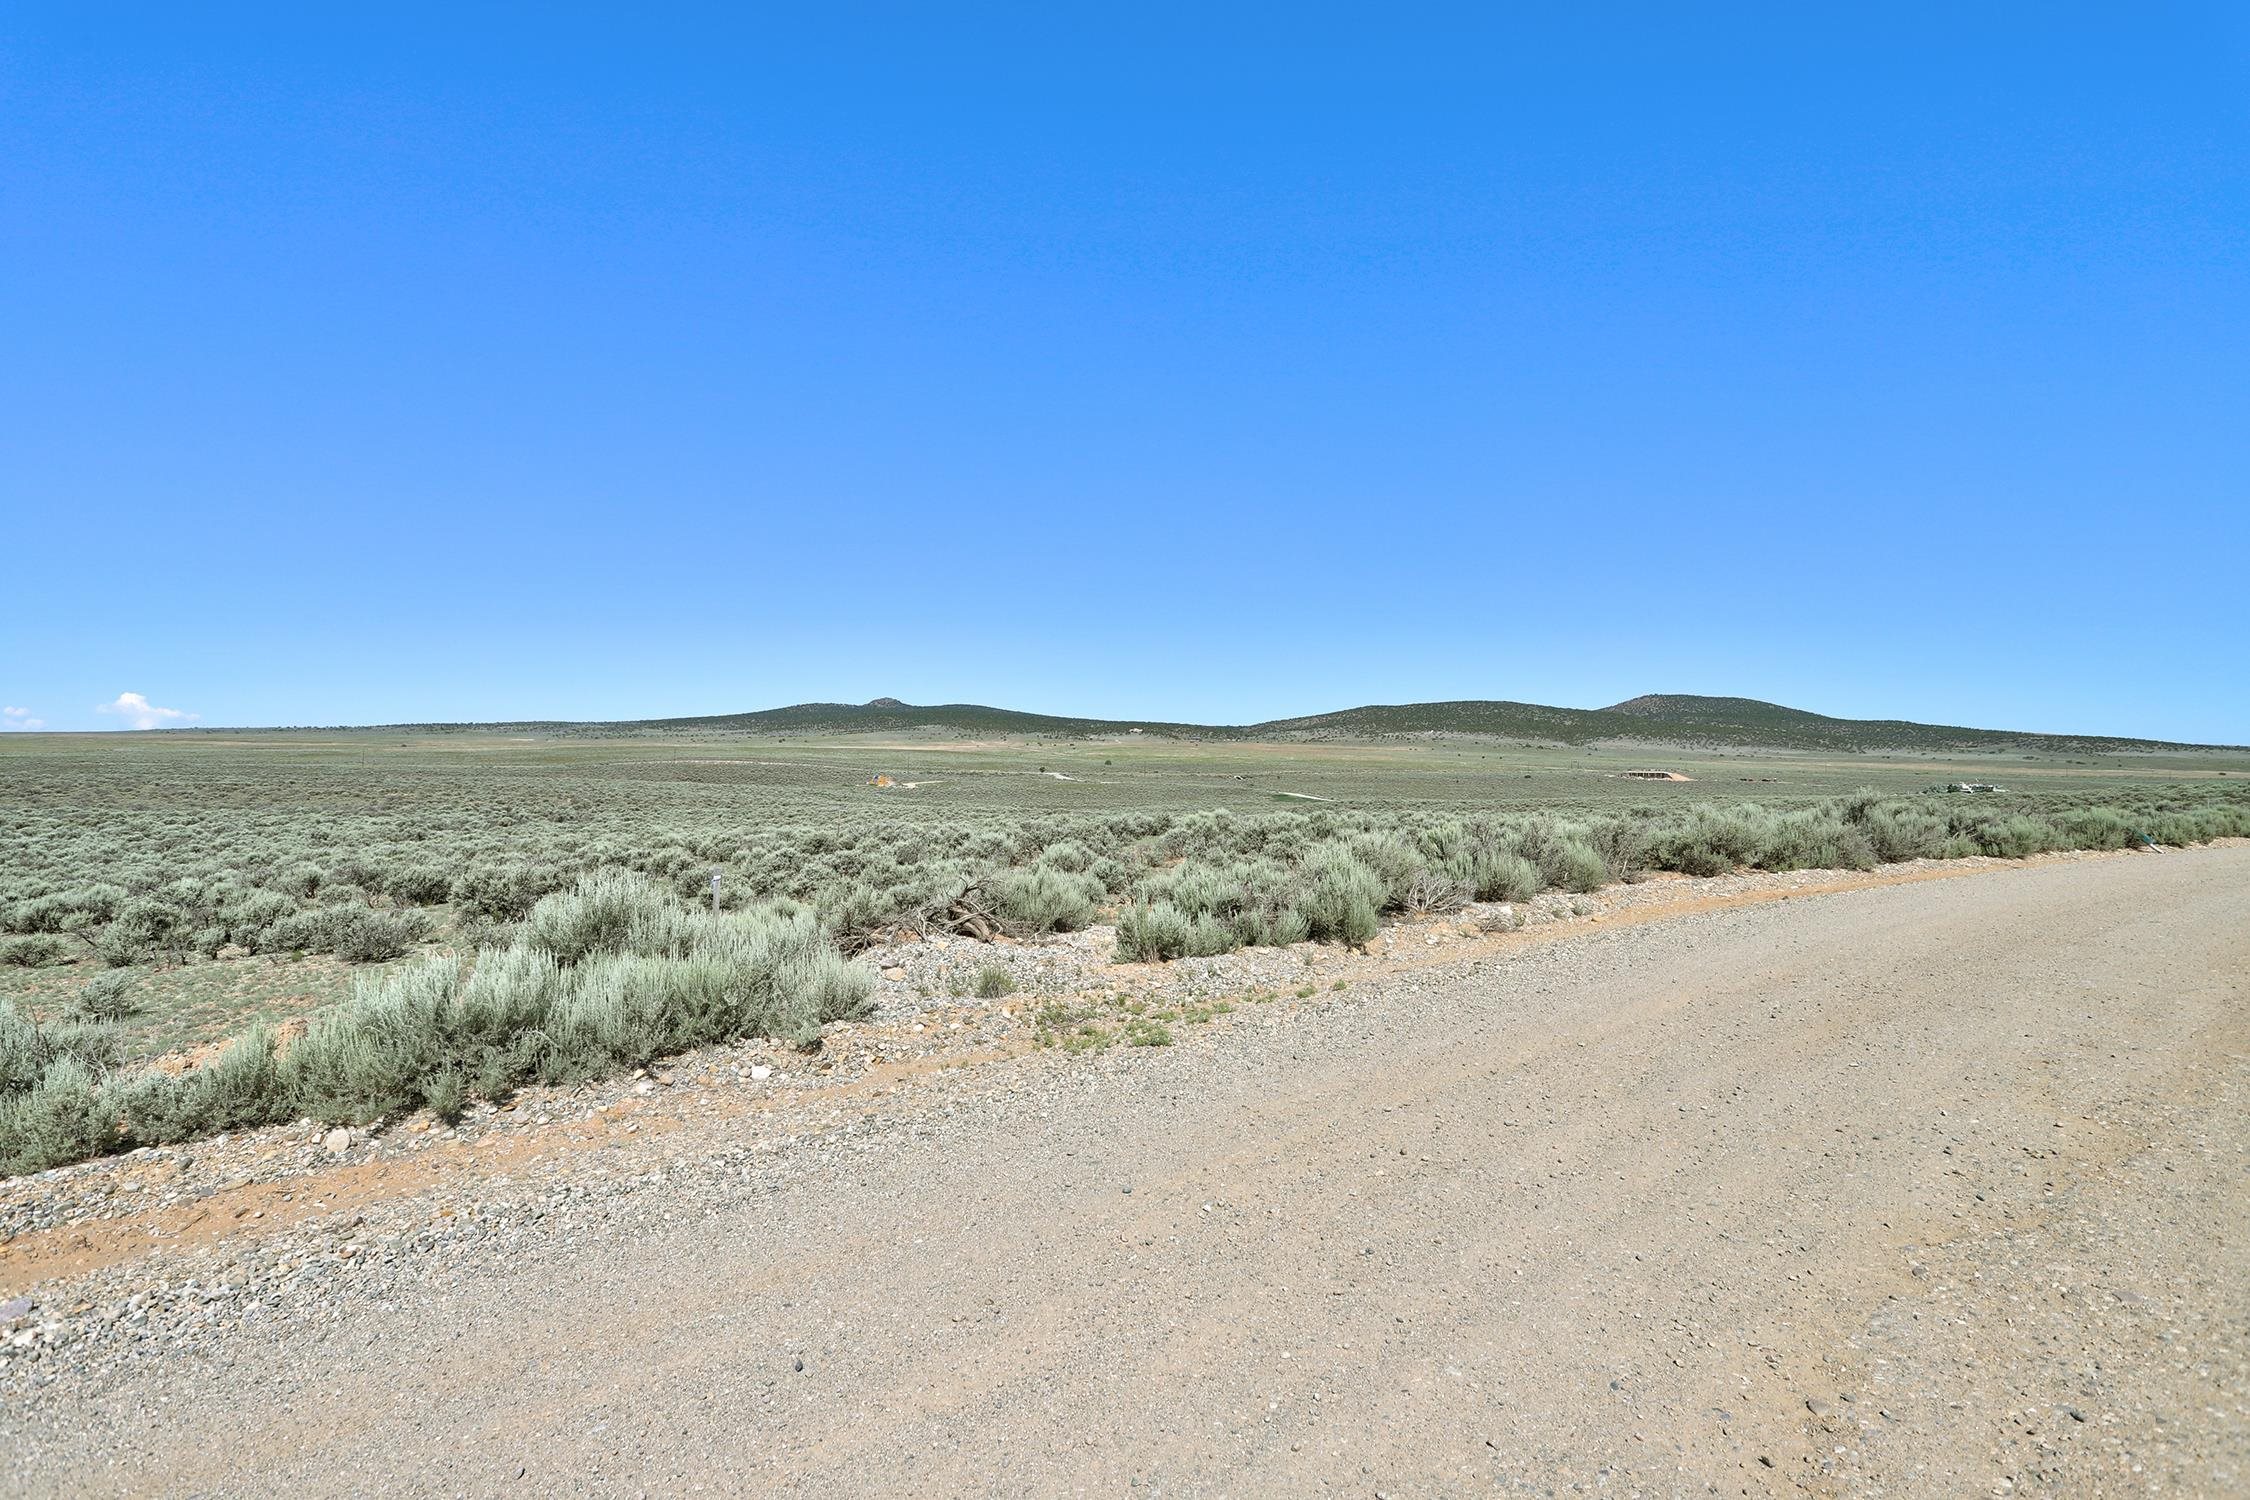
column 455, row 915
column 1925, row 1189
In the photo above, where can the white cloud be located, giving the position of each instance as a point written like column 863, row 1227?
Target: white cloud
column 139, row 713
column 12, row 717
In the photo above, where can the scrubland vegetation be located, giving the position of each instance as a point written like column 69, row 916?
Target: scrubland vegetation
column 537, row 928
column 609, row 974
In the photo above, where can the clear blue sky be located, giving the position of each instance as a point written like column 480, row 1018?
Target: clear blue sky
column 1199, row 362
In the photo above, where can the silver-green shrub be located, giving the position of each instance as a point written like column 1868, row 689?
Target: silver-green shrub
column 638, row 976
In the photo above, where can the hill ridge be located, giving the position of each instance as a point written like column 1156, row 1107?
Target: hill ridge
column 1686, row 720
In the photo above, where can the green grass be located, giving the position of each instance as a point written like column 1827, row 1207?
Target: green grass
column 1143, row 1031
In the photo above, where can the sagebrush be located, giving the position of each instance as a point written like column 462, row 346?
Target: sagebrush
column 542, row 928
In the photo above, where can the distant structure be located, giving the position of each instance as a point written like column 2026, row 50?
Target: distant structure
column 1656, row 776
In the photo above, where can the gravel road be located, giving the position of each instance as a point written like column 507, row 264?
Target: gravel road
column 1934, row 1189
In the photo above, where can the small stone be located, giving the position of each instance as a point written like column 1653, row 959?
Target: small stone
column 894, row 972
column 16, row 1307
column 759, row 1072
column 337, row 1141
column 644, row 1087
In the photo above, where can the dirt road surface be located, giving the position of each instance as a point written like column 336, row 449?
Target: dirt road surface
column 1937, row 1189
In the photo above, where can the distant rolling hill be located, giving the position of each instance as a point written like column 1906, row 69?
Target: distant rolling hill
column 1686, row 719
column 889, row 716
column 1680, row 719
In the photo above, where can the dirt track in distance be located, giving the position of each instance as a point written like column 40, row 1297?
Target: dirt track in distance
column 1930, row 1189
